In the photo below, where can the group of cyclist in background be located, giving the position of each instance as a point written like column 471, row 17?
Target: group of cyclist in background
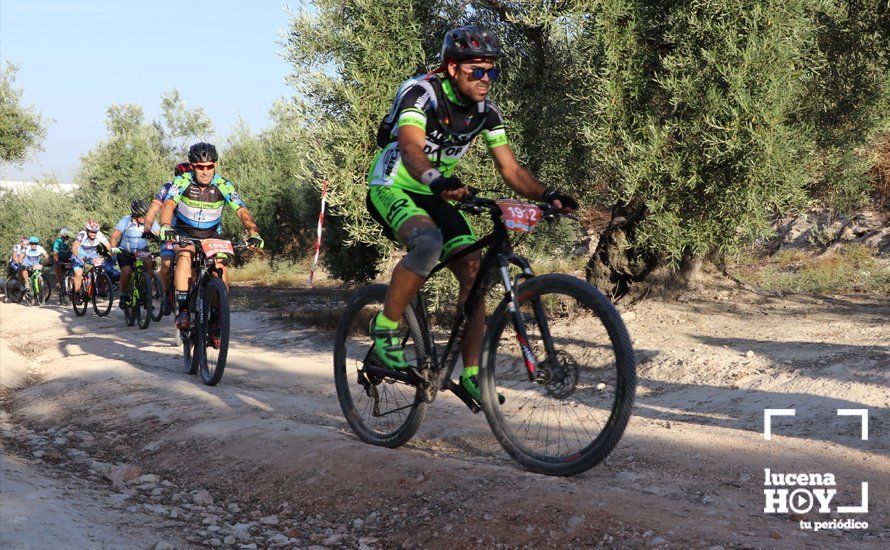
column 190, row 205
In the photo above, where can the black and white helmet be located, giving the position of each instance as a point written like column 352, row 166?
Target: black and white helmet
column 138, row 208
column 470, row 42
column 203, row 152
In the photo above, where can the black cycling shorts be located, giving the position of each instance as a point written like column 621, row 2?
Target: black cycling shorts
column 391, row 207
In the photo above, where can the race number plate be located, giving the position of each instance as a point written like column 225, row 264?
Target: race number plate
column 212, row 247
column 519, row 216
column 142, row 255
column 98, row 260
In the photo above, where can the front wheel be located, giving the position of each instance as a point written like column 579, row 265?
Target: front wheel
column 42, row 289
column 213, row 332
column 14, row 290
column 381, row 411
column 143, row 304
column 103, row 294
column 570, row 413
column 127, row 303
column 80, row 301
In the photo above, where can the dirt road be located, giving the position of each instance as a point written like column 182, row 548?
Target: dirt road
column 104, row 420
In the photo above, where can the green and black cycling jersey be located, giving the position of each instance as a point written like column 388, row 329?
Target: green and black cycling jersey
column 419, row 107
column 199, row 208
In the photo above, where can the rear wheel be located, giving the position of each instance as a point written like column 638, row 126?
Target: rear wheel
column 573, row 411
column 157, row 298
column 381, row 411
column 189, row 355
column 103, row 294
column 213, row 334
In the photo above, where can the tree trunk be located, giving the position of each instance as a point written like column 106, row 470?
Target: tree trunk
column 616, row 266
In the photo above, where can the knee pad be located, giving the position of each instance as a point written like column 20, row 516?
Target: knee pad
column 424, row 249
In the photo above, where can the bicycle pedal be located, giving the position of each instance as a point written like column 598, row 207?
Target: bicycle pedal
column 464, row 396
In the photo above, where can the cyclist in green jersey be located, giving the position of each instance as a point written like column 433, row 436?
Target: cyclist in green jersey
column 431, row 126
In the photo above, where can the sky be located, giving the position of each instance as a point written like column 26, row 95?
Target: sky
column 78, row 57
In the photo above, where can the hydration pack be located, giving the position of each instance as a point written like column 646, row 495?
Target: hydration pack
column 440, row 104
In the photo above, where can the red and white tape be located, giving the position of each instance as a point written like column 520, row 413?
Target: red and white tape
column 324, row 194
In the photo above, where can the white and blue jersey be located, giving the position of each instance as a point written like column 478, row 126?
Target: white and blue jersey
column 15, row 257
column 131, row 234
column 33, row 255
column 87, row 247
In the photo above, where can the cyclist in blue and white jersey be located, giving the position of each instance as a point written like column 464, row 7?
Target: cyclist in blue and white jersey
column 128, row 238
column 167, row 253
column 84, row 248
column 31, row 259
column 15, row 256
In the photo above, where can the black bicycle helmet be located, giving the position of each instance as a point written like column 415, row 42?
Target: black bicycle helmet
column 138, row 208
column 203, row 152
column 470, row 42
column 182, row 168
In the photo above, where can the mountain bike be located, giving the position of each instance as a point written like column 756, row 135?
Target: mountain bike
column 138, row 298
column 37, row 292
column 95, row 287
column 205, row 344
column 557, row 372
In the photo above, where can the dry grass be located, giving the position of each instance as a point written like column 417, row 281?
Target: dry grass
column 852, row 269
column 289, row 274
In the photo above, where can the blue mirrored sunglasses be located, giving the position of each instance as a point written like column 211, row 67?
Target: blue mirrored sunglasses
column 479, row 72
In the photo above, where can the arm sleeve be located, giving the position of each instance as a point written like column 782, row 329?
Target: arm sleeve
column 122, row 225
column 176, row 189
column 232, row 197
column 494, row 132
column 103, row 240
column 412, row 110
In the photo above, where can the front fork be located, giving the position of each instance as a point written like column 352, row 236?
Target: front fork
column 531, row 362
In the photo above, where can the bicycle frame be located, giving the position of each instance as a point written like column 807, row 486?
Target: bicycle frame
column 138, row 271
column 498, row 256
column 203, row 267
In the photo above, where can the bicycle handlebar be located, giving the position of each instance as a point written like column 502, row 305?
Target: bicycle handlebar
column 183, row 240
column 474, row 204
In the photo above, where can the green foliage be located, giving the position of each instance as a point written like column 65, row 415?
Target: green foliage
column 848, row 98
column 267, row 171
column 40, row 210
column 185, row 126
column 21, row 128
column 136, row 157
column 348, row 59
